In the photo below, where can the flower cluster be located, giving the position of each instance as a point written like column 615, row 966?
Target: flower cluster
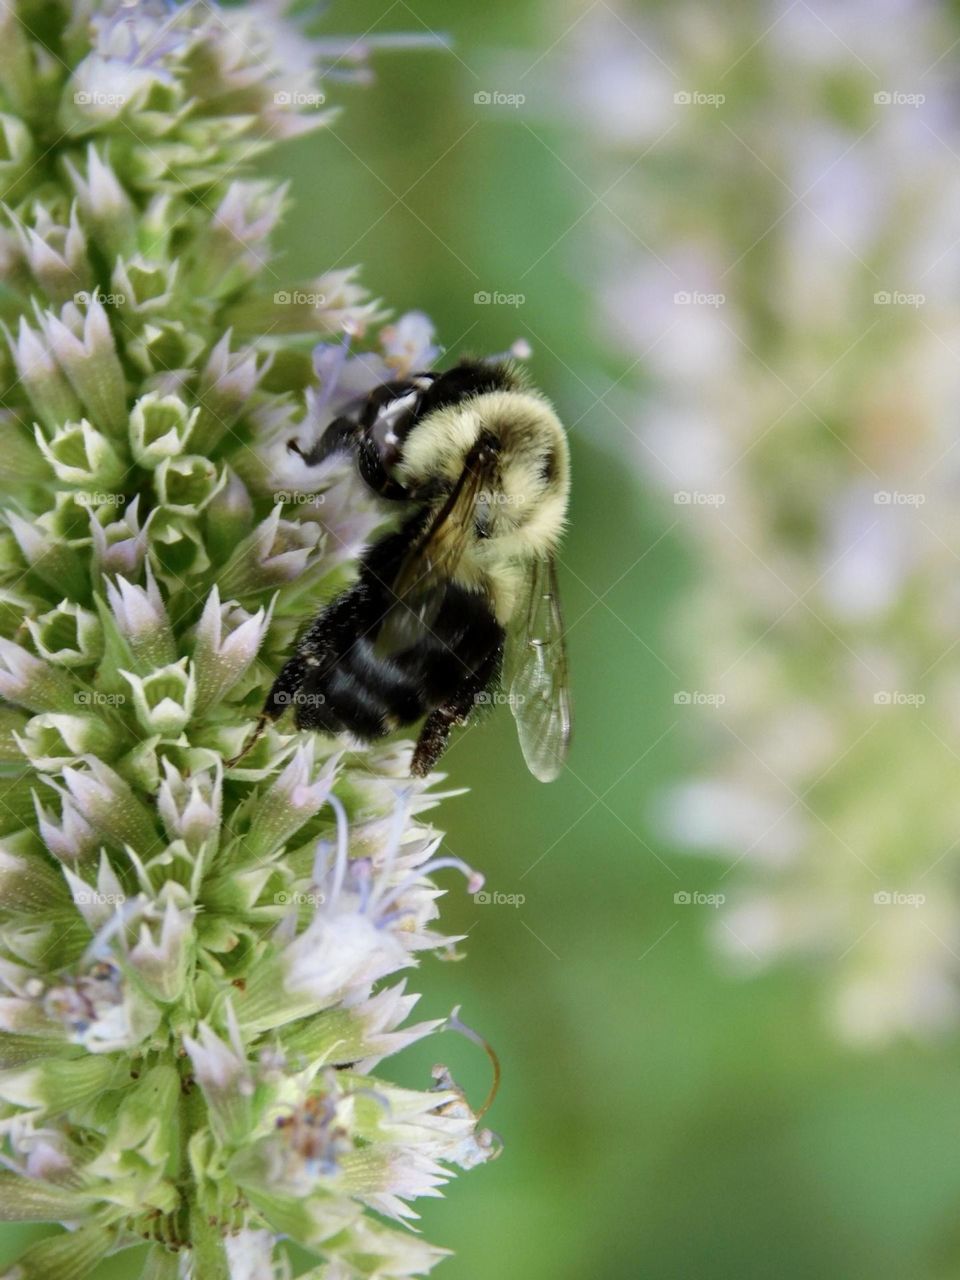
column 793, row 306
column 199, row 962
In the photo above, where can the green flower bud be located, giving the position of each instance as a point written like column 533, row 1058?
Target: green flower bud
column 160, row 427
column 159, row 347
column 142, row 287
column 23, row 467
column 28, row 883
column 162, row 953
column 164, row 700
column 105, row 207
column 68, row 636
column 51, row 395
column 85, row 350
column 56, row 256
column 28, row 1200
column 108, row 804
column 33, row 683
column 177, row 548
column 187, row 483
column 12, row 721
column 140, row 1158
column 142, row 620
column 230, row 253
column 82, row 456
column 16, row 155
column 191, row 806
column 278, row 551
column 227, row 382
column 298, row 793
column 119, row 544
column 48, row 556
column 223, row 1073
column 227, row 641
column 325, row 305
column 70, row 838
column 228, row 518
column 51, row 741
column 98, row 902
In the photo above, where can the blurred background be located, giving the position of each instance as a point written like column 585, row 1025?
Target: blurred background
column 724, row 992
column 726, row 1007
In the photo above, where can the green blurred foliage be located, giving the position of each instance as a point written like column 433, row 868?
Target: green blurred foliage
column 659, row 1118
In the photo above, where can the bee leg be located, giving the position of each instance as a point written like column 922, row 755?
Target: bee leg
column 433, row 739
column 475, row 690
column 282, row 694
column 250, row 742
column 341, row 436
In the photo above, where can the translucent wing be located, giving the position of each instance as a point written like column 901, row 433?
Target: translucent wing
column 421, row 583
column 536, row 677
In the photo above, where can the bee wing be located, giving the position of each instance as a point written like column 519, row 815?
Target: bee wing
column 537, row 679
column 424, row 575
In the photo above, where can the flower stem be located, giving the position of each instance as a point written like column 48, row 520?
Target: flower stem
column 209, row 1254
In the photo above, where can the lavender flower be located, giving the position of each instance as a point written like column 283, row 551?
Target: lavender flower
column 202, row 966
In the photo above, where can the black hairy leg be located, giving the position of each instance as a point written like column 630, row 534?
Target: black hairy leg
column 339, row 437
column 435, row 734
column 346, row 436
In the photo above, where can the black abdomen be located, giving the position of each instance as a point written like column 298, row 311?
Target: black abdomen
column 340, row 679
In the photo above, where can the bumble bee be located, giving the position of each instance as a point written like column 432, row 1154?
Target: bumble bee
column 460, row 601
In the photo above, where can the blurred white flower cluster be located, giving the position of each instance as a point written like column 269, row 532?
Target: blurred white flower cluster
column 200, row 964
column 781, row 269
